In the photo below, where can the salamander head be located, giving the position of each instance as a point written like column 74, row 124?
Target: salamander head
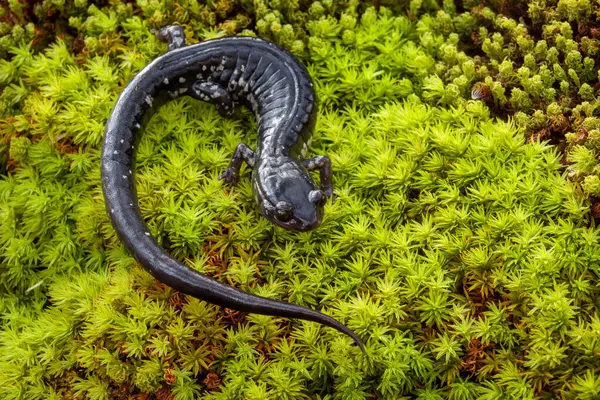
column 288, row 196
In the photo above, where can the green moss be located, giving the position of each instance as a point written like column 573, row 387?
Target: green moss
column 529, row 55
column 456, row 249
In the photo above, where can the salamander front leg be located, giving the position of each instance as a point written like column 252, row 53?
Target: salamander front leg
column 323, row 164
column 231, row 175
column 174, row 35
column 214, row 94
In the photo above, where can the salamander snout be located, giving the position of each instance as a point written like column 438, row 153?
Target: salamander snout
column 299, row 215
column 289, row 197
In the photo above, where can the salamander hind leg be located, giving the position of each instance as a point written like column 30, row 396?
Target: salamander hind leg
column 323, row 164
column 174, row 35
column 231, row 175
column 214, row 94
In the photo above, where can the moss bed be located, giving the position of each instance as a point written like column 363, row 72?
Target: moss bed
column 462, row 247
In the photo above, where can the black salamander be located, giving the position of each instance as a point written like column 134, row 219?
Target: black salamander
column 279, row 90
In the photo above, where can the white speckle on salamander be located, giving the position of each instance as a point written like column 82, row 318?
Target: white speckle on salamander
column 166, row 81
column 147, row 233
column 124, row 176
column 149, row 100
column 182, row 90
column 129, row 172
column 242, row 67
column 253, row 103
column 204, row 68
column 182, row 80
column 122, row 141
column 115, row 152
column 131, row 204
column 137, row 126
column 112, row 210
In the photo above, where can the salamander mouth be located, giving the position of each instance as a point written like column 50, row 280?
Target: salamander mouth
column 303, row 218
column 297, row 225
column 294, row 223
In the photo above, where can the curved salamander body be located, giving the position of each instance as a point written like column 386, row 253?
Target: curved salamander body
column 280, row 92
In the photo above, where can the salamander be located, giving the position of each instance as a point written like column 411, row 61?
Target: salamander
column 278, row 89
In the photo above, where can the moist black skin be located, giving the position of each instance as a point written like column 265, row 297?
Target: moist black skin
column 279, row 90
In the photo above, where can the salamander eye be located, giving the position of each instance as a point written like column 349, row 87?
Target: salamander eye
column 316, row 197
column 284, row 211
